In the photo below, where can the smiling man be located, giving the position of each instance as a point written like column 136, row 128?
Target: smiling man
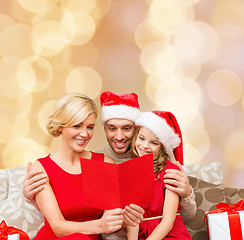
column 119, row 113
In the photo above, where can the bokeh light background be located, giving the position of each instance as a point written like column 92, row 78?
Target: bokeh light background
column 182, row 56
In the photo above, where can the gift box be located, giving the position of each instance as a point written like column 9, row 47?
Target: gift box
column 226, row 222
column 13, row 237
column 11, row 233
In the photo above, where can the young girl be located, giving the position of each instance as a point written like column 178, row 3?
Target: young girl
column 158, row 133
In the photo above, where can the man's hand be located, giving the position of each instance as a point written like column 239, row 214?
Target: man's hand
column 33, row 183
column 111, row 221
column 180, row 181
column 133, row 215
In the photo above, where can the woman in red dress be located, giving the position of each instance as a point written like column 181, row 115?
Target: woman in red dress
column 61, row 199
column 159, row 133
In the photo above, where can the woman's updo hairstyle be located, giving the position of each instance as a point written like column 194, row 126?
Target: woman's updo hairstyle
column 70, row 110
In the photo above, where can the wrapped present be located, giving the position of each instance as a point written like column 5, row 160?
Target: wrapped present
column 226, row 222
column 14, row 236
column 11, row 233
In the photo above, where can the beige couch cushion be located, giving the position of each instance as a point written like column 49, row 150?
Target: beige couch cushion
column 233, row 195
column 208, row 172
column 3, row 184
column 207, row 195
column 18, row 213
column 13, row 207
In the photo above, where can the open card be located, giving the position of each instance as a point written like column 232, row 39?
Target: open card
column 108, row 185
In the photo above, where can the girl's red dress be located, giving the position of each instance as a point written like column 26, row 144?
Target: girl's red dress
column 68, row 190
column 155, row 208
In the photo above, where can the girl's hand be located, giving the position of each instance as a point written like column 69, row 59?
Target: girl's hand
column 133, row 214
column 111, row 220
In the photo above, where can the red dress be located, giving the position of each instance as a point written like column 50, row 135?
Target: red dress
column 155, row 208
column 68, row 191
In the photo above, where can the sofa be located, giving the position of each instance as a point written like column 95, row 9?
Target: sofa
column 206, row 180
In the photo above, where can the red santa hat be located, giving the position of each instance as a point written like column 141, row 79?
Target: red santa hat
column 123, row 106
column 165, row 126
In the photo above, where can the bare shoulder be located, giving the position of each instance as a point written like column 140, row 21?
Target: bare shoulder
column 108, row 159
column 36, row 166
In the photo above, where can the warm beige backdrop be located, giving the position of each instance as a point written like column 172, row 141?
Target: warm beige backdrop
column 182, row 56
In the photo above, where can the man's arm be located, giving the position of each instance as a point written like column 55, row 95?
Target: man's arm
column 33, row 183
column 181, row 186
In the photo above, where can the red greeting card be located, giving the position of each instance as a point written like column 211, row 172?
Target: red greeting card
column 108, row 185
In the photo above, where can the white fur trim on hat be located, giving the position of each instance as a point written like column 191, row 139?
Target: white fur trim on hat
column 119, row 111
column 160, row 128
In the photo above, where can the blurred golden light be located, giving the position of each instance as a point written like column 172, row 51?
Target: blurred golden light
column 192, row 87
column 196, row 42
column 218, row 119
column 81, row 5
column 77, row 27
column 186, row 121
column 15, row 152
column 224, row 87
column 84, row 80
column 19, row 14
column 243, row 102
column 5, row 21
column 166, row 61
column 187, row 69
column 15, row 41
column 47, row 39
column 46, row 109
column 54, row 14
column 151, row 86
column 168, row 12
column 9, row 86
column 196, row 135
column 34, row 74
column 23, row 101
column 189, row 2
column 234, row 150
column 190, row 17
column 149, row 56
column 191, row 154
column 75, row 56
column 228, row 18
column 179, row 101
column 167, row 84
column 55, row 143
column 146, row 33
column 101, row 9
column 179, row 97
column 35, row 152
column 13, row 124
column 37, row 6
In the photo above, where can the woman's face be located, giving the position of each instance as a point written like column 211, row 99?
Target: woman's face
column 78, row 136
column 147, row 142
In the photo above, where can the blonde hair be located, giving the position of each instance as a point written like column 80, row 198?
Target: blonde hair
column 159, row 160
column 70, row 110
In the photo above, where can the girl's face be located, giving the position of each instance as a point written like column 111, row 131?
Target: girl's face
column 78, row 136
column 147, row 142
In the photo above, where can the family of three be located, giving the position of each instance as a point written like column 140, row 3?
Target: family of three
column 53, row 183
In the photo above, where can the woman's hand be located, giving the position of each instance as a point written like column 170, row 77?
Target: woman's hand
column 111, row 221
column 133, row 215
